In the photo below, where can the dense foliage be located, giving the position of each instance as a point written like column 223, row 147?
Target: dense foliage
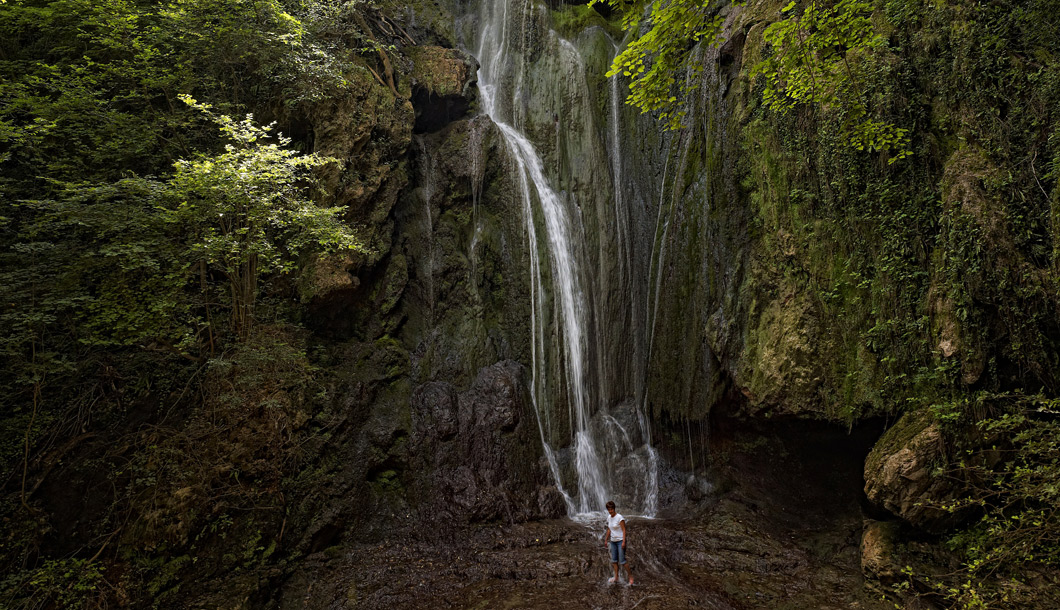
column 1008, row 456
column 817, row 53
column 147, row 247
column 247, row 214
column 815, row 59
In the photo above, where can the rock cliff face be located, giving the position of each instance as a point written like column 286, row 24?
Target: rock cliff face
column 757, row 301
column 481, row 448
column 756, row 268
column 368, row 130
column 816, row 291
column 431, row 420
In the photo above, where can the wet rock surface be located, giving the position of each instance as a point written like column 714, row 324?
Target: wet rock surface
column 480, row 448
column 762, row 530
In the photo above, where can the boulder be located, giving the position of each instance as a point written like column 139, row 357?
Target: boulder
column 877, row 551
column 477, row 454
column 899, row 474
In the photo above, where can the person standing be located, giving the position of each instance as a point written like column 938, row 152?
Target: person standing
column 615, row 540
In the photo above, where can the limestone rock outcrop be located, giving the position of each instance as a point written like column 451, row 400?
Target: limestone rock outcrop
column 442, row 86
column 442, row 71
column 479, row 450
column 782, row 375
column 899, row 474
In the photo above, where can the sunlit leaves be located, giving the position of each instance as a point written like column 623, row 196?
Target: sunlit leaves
column 659, row 63
column 813, row 60
column 248, row 208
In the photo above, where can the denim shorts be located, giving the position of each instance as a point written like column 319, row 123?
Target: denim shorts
column 618, row 552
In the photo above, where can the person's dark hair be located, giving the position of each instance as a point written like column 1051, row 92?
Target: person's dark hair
column 609, row 505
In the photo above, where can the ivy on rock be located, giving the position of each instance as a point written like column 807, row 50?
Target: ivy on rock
column 814, row 54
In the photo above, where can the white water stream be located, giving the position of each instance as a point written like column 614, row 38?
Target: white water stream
column 607, row 462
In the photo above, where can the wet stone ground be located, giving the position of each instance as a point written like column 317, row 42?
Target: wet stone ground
column 729, row 557
column 778, row 527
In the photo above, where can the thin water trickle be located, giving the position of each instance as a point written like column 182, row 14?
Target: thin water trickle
column 477, row 175
column 621, row 226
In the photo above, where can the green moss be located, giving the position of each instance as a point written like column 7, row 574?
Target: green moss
column 896, row 438
column 571, row 19
column 387, row 483
column 431, row 15
column 442, row 71
column 892, row 260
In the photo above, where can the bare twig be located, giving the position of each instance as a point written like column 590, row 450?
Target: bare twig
column 376, row 75
column 1035, row 174
column 105, row 542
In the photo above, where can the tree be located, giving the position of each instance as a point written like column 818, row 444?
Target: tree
column 248, row 212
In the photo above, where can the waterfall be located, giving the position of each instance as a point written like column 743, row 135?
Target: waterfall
column 602, row 451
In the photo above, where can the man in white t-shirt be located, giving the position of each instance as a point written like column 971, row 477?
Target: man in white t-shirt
column 615, row 540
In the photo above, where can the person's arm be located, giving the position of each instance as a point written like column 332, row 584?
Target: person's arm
column 607, row 534
column 623, row 524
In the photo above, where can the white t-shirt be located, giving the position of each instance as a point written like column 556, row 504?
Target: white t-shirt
column 615, row 525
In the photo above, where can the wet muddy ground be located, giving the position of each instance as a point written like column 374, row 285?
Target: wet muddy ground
column 766, row 532
column 729, row 558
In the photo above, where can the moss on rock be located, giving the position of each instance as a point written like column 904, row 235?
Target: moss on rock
column 441, row 71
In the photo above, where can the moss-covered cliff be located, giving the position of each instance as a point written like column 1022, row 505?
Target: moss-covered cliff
column 845, row 286
column 750, row 266
column 866, row 287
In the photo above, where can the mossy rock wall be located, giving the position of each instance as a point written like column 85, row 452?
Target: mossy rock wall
column 823, row 282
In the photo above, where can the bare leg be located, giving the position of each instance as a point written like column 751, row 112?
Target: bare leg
column 615, row 565
column 629, row 573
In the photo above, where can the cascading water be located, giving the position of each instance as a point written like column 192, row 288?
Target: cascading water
column 599, row 455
